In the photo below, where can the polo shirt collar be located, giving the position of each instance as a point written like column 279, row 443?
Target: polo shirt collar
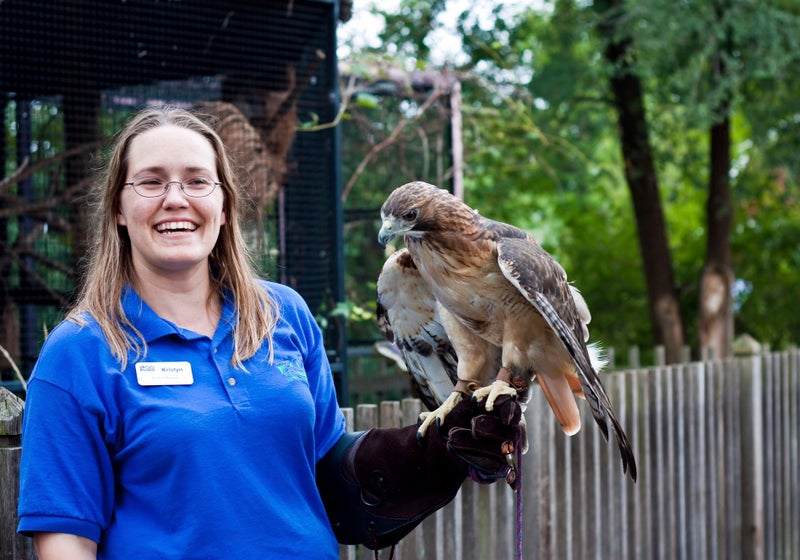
column 152, row 326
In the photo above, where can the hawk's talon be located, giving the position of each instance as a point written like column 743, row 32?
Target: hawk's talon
column 436, row 417
column 491, row 392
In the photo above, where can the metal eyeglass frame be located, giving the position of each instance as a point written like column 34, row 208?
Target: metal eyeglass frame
column 166, row 185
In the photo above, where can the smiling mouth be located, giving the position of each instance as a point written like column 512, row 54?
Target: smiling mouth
column 175, row 227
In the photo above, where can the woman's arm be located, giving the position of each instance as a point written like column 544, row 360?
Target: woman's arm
column 380, row 484
column 63, row 546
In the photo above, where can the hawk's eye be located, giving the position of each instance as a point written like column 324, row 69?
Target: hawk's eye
column 411, row 215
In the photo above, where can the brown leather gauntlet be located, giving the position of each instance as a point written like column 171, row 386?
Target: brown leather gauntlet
column 380, row 484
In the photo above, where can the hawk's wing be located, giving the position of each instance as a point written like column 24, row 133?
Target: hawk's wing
column 544, row 284
column 407, row 316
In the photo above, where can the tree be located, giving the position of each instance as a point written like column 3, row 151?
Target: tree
column 714, row 54
column 707, row 95
column 642, row 181
column 716, row 281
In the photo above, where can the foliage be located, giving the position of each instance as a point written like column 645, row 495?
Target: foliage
column 541, row 147
column 400, row 131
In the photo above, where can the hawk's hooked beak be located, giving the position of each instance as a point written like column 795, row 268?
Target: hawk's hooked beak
column 387, row 232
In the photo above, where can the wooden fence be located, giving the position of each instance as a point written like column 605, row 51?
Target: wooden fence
column 718, row 450
column 373, row 377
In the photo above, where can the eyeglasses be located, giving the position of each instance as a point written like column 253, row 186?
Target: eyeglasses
column 196, row 187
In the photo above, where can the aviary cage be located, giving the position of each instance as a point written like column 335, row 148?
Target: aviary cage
column 71, row 72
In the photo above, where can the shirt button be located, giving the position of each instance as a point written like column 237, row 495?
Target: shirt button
column 231, row 381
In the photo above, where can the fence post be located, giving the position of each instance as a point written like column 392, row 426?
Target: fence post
column 660, row 355
column 633, row 357
column 12, row 545
column 346, row 551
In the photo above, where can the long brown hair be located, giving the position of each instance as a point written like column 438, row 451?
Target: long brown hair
column 109, row 264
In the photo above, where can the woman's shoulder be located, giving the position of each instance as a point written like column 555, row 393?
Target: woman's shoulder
column 80, row 327
column 284, row 295
column 76, row 336
column 292, row 308
column 75, row 345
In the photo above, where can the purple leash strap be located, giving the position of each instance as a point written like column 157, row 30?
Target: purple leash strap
column 518, row 498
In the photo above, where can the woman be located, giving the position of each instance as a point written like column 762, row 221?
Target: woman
column 186, row 409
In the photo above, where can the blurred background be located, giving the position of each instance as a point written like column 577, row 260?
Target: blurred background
column 651, row 146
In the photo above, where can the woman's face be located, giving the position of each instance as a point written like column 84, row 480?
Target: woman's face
column 173, row 234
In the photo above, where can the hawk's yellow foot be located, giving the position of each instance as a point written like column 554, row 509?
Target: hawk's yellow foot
column 439, row 414
column 490, row 393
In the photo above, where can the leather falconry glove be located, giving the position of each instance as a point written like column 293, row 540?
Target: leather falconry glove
column 380, row 484
column 489, row 445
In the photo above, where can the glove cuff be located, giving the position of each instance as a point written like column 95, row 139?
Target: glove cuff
column 379, row 485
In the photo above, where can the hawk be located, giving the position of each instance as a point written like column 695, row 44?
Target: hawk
column 484, row 298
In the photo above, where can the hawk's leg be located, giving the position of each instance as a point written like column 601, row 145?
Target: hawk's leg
column 500, row 386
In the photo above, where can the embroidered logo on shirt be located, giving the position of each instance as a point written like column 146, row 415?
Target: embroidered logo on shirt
column 293, row 370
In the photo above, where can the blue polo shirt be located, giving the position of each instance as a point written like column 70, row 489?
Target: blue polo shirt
column 221, row 466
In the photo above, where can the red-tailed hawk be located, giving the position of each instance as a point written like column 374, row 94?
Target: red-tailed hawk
column 487, row 291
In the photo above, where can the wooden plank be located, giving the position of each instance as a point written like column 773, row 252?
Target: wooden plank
column 451, row 521
column 366, row 416
column 698, row 452
column 768, row 418
column 775, row 454
column 584, row 488
column 561, row 484
column 531, row 480
column 717, row 466
column 670, row 460
column 785, row 465
column 752, row 450
column 410, row 547
column 656, row 467
column 549, row 513
column 731, row 484
column 485, row 527
column 634, row 503
column 390, row 414
column 469, row 519
column 633, row 358
column 506, row 520
column 682, row 496
column 794, row 426
column 348, row 552
column 623, row 482
column 12, row 545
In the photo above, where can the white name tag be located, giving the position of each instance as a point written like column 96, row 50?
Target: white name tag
column 164, row 373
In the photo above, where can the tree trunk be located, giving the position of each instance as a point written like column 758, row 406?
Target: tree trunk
column 716, row 284
column 640, row 175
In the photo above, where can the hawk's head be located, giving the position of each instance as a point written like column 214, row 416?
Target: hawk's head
column 417, row 208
